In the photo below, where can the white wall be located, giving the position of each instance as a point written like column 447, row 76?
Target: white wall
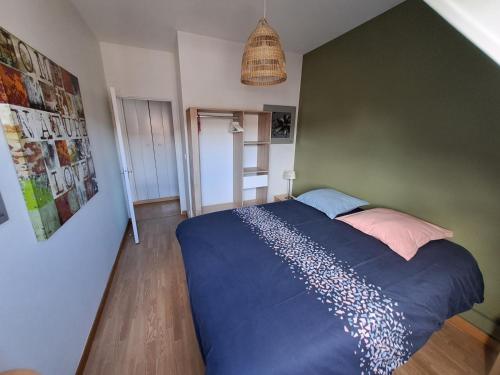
column 148, row 74
column 50, row 291
column 210, row 77
column 478, row 20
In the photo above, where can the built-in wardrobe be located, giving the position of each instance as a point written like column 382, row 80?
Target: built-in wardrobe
column 150, row 149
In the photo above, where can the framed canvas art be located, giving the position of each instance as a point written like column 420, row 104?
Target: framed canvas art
column 3, row 212
column 42, row 117
column 282, row 123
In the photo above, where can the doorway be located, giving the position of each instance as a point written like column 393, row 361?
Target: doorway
column 148, row 146
column 150, row 149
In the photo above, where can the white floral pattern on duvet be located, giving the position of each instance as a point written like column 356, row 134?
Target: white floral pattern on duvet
column 368, row 315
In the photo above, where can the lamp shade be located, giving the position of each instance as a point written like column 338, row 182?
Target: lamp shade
column 289, row 175
column 263, row 62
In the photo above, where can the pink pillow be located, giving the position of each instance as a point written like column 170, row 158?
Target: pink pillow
column 403, row 233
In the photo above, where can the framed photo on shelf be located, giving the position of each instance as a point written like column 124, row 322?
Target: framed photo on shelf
column 282, row 123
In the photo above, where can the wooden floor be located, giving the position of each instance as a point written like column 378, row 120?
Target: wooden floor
column 146, row 326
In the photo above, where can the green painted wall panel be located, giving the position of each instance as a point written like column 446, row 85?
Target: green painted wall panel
column 404, row 112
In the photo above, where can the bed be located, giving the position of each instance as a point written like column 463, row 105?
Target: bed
column 282, row 289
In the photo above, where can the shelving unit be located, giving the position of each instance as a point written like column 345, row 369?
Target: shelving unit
column 250, row 156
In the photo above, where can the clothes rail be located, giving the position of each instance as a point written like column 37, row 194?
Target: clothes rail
column 218, row 116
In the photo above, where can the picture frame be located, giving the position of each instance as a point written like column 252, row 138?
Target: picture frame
column 3, row 211
column 282, row 123
column 43, row 120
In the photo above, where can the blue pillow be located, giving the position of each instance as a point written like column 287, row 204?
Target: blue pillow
column 330, row 201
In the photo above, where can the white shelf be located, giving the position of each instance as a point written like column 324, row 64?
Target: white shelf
column 254, row 171
column 256, row 143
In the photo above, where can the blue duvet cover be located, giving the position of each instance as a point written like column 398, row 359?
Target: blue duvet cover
column 281, row 289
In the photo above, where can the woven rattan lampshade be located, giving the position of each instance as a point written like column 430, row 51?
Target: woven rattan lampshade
column 263, row 62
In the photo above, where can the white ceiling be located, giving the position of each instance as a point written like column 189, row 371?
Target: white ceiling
column 302, row 24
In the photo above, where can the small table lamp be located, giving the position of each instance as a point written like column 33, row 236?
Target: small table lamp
column 289, row 175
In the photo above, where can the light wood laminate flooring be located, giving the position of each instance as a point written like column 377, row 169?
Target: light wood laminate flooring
column 146, row 326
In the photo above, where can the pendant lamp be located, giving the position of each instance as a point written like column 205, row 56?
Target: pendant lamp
column 263, row 62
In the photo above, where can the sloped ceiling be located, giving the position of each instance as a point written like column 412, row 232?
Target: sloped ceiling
column 302, row 24
column 477, row 20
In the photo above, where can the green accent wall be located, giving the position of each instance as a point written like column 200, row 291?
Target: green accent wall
column 404, row 112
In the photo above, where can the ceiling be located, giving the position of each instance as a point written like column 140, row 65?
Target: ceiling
column 302, row 24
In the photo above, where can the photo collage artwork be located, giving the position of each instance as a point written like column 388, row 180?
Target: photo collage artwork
column 41, row 113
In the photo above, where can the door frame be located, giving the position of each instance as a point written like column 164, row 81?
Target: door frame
column 178, row 144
